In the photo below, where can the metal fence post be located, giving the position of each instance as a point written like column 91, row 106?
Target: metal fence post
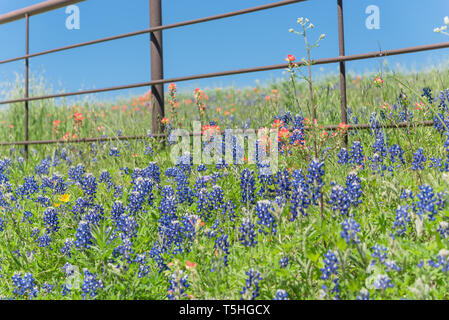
column 27, row 82
column 157, row 68
column 341, row 45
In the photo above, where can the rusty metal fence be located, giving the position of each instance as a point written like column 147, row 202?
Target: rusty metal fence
column 157, row 75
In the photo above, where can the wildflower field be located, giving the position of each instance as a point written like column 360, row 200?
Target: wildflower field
column 121, row 220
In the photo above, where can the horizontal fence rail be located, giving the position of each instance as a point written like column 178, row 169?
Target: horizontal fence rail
column 154, row 29
column 35, row 9
column 332, row 127
column 370, row 55
column 157, row 78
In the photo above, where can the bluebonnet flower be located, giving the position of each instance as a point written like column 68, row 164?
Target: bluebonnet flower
column 127, row 225
column 44, row 241
column 343, row 156
column 125, row 251
column 89, row 185
column 443, row 229
column 201, row 168
column 392, row 265
column 428, row 202
column 144, row 268
column 51, row 220
column 35, row 232
column 354, row 189
column 105, row 177
column 117, row 210
column 83, row 235
column 442, row 261
column 247, row 235
column 379, row 253
column 144, row 187
column 157, row 254
column 339, row 199
column 396, row 154
column 135, row 202
column 401, row 220
column 300, row 197
column 350, row 231
column 283, row 184
column 315, row 179
column 178, row 286
column 185, row 163
column 43, row 167
column 90, row 285
column 383, row 282
column 437, row 163
column 168, row 204
column 76, row 173
column 29, row 187
column 222, row 243
column 363, row 295
column 247, row 186
column 94, row 215
column 418, row 160
column 266, row 219
column 114, row 152
column 281, row 295
column 251, row 289
column 148, row 150
column 25, row 286
column 283, row 262
column 47, row 288
column 427, row 93
column 154, row 172
column 330, row 265
column 357, row 156
column 65, row 289
column 266, row 179
column 228, row 209
column 406, row 194
column 80, row 207
column 66, row 249
column 2, row 225
column 118, row 191
column 216, row 197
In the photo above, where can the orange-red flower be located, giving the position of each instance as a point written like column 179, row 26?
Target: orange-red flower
column 55, row 125
column 378, row 81
column 210, row 130
column 190, row 264
column 165, row 121
column 78, row 117
column 290, row 58
column 284, row 134
column 277, row 123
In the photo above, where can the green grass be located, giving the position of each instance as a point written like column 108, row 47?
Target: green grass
column 304, row 241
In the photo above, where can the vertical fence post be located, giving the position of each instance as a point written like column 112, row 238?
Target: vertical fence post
column 27, row 81
column 341, row 45
column 157, row 68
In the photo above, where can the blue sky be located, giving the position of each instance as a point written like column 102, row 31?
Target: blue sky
column 255, row 39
